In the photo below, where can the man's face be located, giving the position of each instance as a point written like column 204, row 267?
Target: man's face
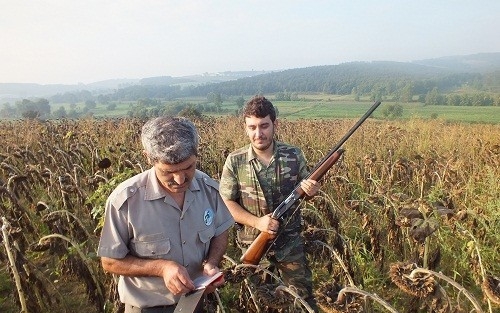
column 260, row 131
column 176, row 178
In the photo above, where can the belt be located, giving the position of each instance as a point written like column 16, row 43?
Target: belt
column 154, row 309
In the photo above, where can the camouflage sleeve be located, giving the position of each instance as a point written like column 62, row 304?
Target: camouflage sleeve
column 228, row 185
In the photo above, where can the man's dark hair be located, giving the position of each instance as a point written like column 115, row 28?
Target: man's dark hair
column 260, row 107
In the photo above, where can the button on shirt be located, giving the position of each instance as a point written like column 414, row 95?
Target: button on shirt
column 143, row 220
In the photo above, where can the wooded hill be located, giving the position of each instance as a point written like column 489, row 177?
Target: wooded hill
column 479, row 72
column 471, row 73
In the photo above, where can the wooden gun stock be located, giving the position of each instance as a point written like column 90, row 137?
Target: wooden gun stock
column 257, row 249
column 261, row 244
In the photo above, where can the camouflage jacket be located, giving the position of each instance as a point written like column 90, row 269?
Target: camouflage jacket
column 260, row 189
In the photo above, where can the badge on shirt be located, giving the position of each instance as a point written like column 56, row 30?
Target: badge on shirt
column 208, row 217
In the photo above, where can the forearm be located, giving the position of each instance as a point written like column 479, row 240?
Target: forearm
column 263, row 223
column 218, row 246
column 134, row 266
column 241, row 215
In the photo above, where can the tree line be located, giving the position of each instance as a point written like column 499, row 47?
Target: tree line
column 385, row 81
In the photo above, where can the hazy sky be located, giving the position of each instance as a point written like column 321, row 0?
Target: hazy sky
column 67, row 41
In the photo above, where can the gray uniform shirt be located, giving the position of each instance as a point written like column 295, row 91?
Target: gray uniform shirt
column 144, row 221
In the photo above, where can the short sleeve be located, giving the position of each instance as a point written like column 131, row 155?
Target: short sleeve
column 229, row 183
column 114, row 235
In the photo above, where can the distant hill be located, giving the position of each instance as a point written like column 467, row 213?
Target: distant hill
column 335, row 79
column 482, row 71
column 206, row 78
column 14, row 91
column 473, row 63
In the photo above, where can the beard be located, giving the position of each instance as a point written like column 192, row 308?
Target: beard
column 264, row 145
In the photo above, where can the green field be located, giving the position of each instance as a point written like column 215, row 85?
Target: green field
column 346, row 109
column 456, row 113
column 331, row 107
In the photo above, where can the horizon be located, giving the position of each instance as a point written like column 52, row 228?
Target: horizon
column 59, row 42
column 232, row 71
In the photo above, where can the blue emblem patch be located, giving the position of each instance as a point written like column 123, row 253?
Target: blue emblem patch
column 208, row 217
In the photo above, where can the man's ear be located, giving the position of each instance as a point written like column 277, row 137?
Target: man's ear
column 276, row 124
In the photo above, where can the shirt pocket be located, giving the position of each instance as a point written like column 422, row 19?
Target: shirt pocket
column 205, row 236
column 151, row 247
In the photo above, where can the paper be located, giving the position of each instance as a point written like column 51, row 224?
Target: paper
column 189, row 301
column 203, row 281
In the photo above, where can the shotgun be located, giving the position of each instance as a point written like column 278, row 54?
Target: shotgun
column 262, row 243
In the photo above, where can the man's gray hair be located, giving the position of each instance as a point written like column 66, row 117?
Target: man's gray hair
column 169, row 140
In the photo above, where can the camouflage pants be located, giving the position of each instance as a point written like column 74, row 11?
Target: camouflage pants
column 294, row 271
column 291, row 264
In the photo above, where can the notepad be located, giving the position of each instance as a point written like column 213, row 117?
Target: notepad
column 203, row 281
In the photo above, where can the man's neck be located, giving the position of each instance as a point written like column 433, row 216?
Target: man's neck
column 265, row 156
column 178, row 198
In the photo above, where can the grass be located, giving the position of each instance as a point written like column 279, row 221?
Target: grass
column 6, row 292
column 322, row 110
column 350, row 109
column 449, row 113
